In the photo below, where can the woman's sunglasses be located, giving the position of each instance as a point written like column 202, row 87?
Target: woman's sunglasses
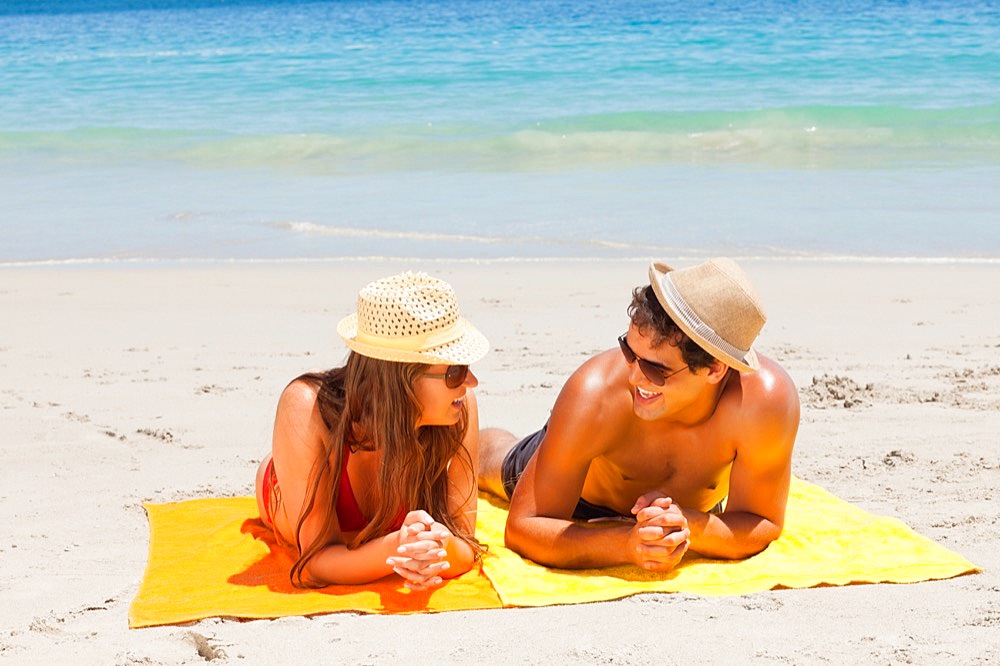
column 453, row 378
column 654, row 372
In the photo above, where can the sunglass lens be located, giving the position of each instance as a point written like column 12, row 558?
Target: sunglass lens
column 455, row 376
column 652, row 372
column 626, row 350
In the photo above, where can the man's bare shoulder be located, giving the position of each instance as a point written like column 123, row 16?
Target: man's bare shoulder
column 768, row 407
column 594, row 403
column 769, row 389
column 600, row 378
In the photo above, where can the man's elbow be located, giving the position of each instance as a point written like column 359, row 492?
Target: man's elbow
column 759, row 539
column 514, row 534
column 522, row 535
column 752, row 542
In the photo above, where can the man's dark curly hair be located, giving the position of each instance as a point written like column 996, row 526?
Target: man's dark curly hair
column 652, row 320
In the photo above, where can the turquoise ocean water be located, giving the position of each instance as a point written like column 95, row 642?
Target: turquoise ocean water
column 200, row 129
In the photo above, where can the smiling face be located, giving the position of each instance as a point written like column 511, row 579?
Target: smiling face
column 440, row 405
column 651, row 401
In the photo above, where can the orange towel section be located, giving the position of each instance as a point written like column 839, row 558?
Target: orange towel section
column 214, row 557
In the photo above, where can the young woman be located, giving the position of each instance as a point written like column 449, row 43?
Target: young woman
column 373, row 465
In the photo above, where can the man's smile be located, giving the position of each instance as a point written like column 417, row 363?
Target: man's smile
column 646, row 395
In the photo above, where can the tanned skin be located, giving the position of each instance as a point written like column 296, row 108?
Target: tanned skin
column 664, row 454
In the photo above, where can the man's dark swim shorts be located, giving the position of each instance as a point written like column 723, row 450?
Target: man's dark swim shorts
column 517, row 459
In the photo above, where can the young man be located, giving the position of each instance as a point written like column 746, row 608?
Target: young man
column 648, row 440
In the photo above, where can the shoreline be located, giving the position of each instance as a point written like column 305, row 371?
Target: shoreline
column 680, row 259
column 132, row 383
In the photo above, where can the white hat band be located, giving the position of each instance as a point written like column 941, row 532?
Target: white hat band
column 693, row 321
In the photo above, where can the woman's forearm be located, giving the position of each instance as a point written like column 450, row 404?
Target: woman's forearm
column 460, row 558
column 337, row 564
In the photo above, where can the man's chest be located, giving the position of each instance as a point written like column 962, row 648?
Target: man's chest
column 687, row 467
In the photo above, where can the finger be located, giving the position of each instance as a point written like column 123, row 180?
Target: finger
column 639, row 505
column 656, row 532
column 664, row 547
column 423, row 550
column 420, row 546
column 674, row 555
column 418, row 516
column 413, row 577
column 668, row 541
column 666, row 519
column 648, row 513
column 426, row 585
column 414, row 529
column 403, row 568
column 435, row 568
column 420, row 578
column 429, row 535
column 647, row 499
column 442, row 531
column 414, row 569
column 664, row 565
column 406, row 562
column 414, row 565
column 671, row 510
column 435, row 555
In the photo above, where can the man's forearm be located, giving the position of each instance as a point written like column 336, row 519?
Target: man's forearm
column 730, row 536
column 565, row 544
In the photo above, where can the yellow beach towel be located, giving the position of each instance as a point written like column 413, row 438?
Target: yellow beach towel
column 826, row 541
column 213, row 557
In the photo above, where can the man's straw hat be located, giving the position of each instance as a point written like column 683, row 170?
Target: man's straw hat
column 412, row 318
column 715, row 304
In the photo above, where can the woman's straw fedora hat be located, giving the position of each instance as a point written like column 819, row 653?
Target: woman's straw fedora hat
column 412, row 318
column 715, row 304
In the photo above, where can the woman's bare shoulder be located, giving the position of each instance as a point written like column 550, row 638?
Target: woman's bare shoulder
column 300, row 393
column 299, row 426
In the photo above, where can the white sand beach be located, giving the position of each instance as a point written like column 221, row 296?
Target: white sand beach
column 124, row 384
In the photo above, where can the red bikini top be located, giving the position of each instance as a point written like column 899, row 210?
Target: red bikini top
column 348, row 511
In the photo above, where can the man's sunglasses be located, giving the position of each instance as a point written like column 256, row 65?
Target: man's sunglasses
column 453, row 378
column 654, row 372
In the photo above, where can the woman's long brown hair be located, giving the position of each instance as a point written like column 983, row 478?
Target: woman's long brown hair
column 370, row 404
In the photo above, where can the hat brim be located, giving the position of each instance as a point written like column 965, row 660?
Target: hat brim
column 466, row 349
column 747, row 363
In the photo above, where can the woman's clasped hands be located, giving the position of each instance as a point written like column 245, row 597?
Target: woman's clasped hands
column 422, row 551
